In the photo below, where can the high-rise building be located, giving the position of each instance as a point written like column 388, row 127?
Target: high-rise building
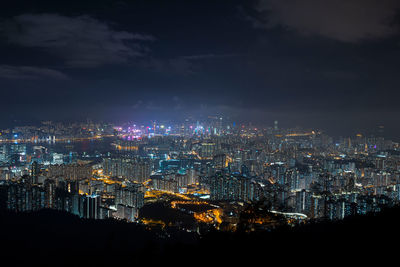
column 136, row 169
column 91, row 207
column 233, row 188
column 71, row 171
column 35, row 170
column 276, row 128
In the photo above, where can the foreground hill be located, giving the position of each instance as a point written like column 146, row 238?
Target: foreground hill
column 58, row 238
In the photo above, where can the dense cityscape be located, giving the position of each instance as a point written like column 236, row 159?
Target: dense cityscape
column 197, row 175
column 199, row 132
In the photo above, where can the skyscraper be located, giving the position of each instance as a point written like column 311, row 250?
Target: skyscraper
column 92, row 207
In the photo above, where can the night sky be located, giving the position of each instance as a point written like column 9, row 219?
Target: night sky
column 331, row 64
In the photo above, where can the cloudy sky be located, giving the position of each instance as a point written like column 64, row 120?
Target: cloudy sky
column 330, row 64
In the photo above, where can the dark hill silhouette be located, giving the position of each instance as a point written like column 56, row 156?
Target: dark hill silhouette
column 58, row 238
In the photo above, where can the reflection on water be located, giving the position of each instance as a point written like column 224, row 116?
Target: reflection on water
column 90, row 147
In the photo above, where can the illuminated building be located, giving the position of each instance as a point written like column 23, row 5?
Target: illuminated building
column 126, row 213
column 71, row 171
column 17, row 153
column 233, row 188
column 50, row 190
column 91, row 207
column 303, row 201
column 136, row 169
column 58, row 159
column 164, row 182
column 207, row 150
column 35, row 172
column 276, row 128
column 3, row 154
column 132, row 195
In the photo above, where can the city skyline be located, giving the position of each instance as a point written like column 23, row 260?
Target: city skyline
column 211, row 132
column 196, row 176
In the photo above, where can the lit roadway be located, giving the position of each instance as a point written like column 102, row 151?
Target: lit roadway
column 291, row 214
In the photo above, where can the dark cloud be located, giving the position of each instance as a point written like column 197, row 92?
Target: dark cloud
column 182, row 65
column 79, row 41
column 343, row 20
column 178, row 66
column 208, row 56
column 30, row 73
column 300, row 62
